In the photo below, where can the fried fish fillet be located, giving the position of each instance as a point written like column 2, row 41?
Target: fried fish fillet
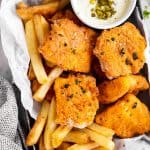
column 120, row 51
column 76, row 100
column 66, row 14
column 128, row 117
column 69, row 46
column 111, row 91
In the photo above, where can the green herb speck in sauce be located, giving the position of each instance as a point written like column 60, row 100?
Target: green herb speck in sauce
column 92, row 1
column 93, row 14
column 103, row 9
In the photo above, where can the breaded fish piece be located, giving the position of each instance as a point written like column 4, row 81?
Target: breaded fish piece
column 66, row 14
column 76, row 100
column 128, row 117
column 120, row 51
column 111, row 91
column 69, row 46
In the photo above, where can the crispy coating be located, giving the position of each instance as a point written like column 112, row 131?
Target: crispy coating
column 120, row 51
column 69, row 46
column 111, row 91
column 128, row 117
column 76, row 100
column 141, row 84
column 66, row 14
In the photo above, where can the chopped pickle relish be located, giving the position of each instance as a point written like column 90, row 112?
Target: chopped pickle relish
column 103, row 9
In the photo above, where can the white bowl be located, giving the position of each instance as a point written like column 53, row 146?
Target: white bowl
column 124, row 9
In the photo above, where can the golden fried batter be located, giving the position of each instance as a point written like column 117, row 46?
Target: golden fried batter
column 128, row 117
column 69, row 46
column 141, row 84
column 120, row 51
column 76, row 100
column 66, row 14
column 111, row 91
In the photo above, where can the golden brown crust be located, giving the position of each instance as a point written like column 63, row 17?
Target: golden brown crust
column 128, row 117
column 120, row 51
column 141, row 84
column 69, row 46
column 76, row 100
column 66, row 14
column 111, row 91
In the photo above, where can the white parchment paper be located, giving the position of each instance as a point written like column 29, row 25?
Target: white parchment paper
column 14, row 47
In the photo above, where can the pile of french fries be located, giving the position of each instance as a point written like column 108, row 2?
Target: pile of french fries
column 45, row 131
column 48, row 7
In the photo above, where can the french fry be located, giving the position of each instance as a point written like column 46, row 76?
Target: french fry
column 88, row 146
column 27, row 13
column 43, row 89
column 35, row 85
column 50, row 126
column 100, row 139
column 59, row 134
column 31, row 74
column 102, row 130
column 41, row 27
column 64, row 146
column 36, row 60
column 77, row 137
column 21, row 5
column 38, row 126
column 41, row 143
column 100, row 148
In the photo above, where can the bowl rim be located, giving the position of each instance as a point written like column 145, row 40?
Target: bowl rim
column 109, row 26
